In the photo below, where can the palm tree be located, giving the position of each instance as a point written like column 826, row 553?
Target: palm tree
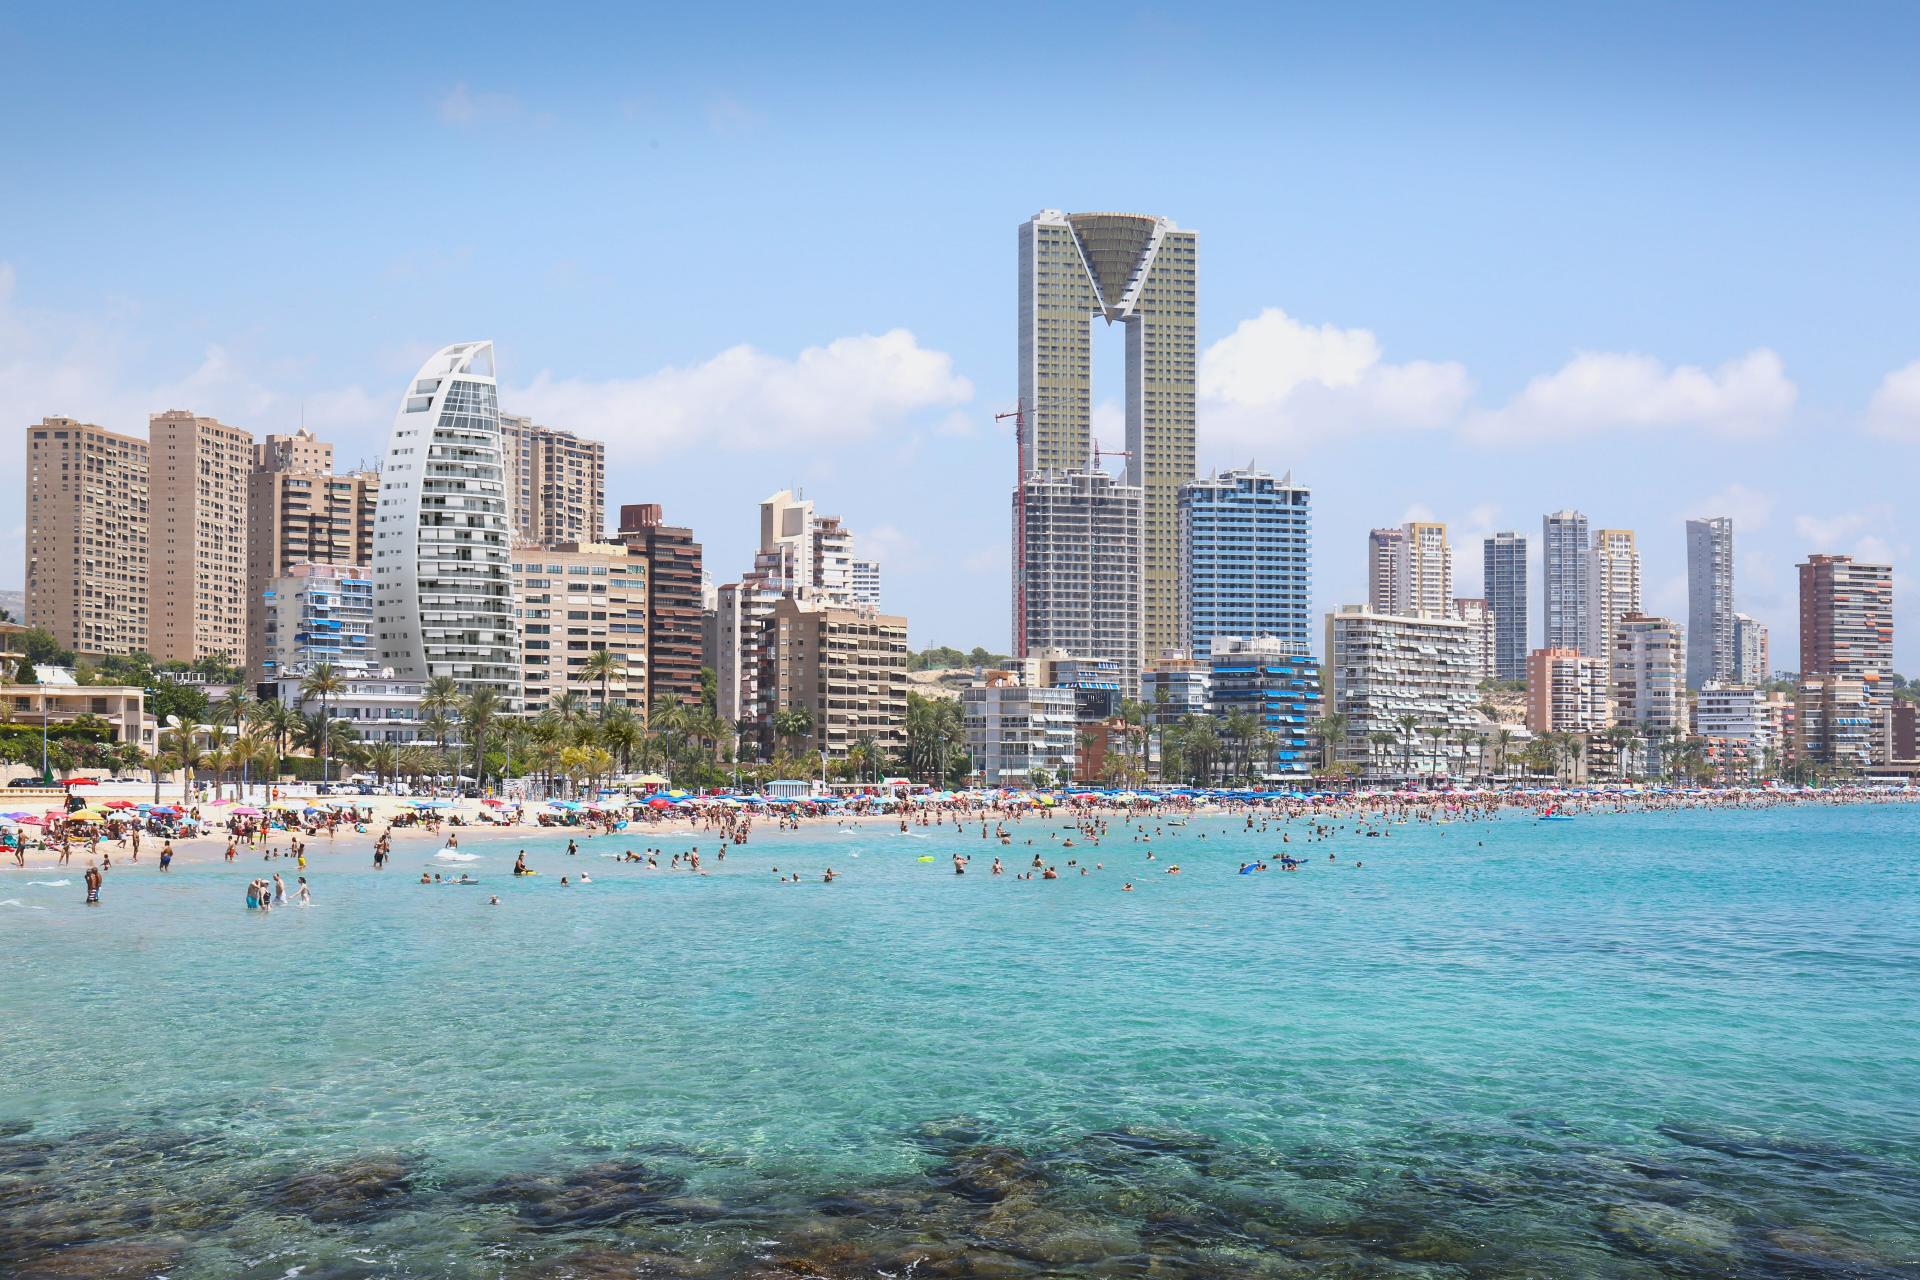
column 235, row 706
column 323, row 683
column 790, row 724
column 620, row 733
column 1409, row 726
column 604, row 665
column 183, row 751
column 440, row 694
column 479, row 711
column 1330, row 729
column 1380, row 740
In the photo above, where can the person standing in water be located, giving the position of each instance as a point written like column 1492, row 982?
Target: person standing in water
column 93, row 885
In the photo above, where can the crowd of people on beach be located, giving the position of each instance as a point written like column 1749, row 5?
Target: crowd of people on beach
column 1061, row 833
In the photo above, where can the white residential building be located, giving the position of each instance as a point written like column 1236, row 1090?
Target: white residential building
column 380, row 706
column 1381, row 668
column 1649, row 674
column 1710, row 637
column 1014, row 730
column 1564, row 573
column 1079, row 588
column 1473, row 611
column 442, row 573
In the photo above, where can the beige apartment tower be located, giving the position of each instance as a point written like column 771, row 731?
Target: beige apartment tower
column 556, row 484
column 1139, row 271
column 1613, row 576
column 573, row 600
column 87, row 507
column 846, row 666
column 197, row 605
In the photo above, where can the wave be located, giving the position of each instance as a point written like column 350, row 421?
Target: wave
column 454, row 855
column 51, row 884
column 15, row 902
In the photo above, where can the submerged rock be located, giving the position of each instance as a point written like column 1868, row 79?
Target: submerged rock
column 1661, row 1231
column 596, row 1195
column 989, row 1174
column 357, row 1191
column 101, row 1261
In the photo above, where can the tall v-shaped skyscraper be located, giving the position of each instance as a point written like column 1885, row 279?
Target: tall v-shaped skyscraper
column 1139, row 271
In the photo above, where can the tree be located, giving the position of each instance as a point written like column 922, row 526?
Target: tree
column 1330, row 729
column 1381, row 740
column 325, row 683
column 791, row 724
column 604, row 665
column 1409, row 726
column 710, row 690
column 479, row 711
column 181, row 748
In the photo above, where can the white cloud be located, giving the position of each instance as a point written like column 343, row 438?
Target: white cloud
column 1895, row 410
column 1275, row 379
column 1601, row 391
column 1749, row 509
column 1827, row 532
column 850, row 389
column 728, row 115
column 896, row 550
column 462, row 106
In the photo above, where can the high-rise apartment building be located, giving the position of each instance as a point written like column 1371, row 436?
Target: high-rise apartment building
column 1568, row 594
column 573, row 600
column 1275, row 682
column 557, row 483
column 866, row 582
column 198, row 594
column 1649, row 674
column 846, row 667
column 299, row 512
column 87, row 536
column 1385, row 564
column 1752, row 653
column 314, row 614
column 442, row 570
column 1613, row 576
column 1504, row 558
column 1383, row 667
column 1426, row 569
column 1081, row 587
column 1140, row 272
column 1473, row 611
column 1834, row 721
column 1567, row 692
column 1246, row 559
column 675, row 612
column 1710, row 631
column 1846, row 620
column 801, row 556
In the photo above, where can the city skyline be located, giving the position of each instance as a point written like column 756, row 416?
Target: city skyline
column 1324, row 314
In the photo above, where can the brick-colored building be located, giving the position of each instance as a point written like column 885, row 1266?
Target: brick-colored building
column 197, row 527
column 846, row 666
column 87, row 536
column 674, row 610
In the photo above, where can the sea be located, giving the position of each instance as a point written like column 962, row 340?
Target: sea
column 1672, row 1043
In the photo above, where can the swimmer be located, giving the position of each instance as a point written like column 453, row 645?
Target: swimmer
column 493, row 900
column 584, row 878
column 1127, row 887
column 305, row 894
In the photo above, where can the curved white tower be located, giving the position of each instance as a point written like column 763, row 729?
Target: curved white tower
column 442, row 577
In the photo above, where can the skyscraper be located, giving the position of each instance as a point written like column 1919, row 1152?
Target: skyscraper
column 197, row 530
column 442, row 574
column 674, row 609
column 1384, row 567
column 1568, row 594
column 1649, row 674
column 1614, row 578
column 1140, row 271
column 1710, row 654
column 1473, row 611
column 1246, row 559
column 87, row 536
column 1752, row 655
column 1846, row 620
column 1425, row 576
column 1505, row 563
column 556, row 483
column 1082, row 582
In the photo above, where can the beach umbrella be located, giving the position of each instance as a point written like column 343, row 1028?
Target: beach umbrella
column 33, row 822
column 80, row 782
column 17, row 817
column 659, row 802
column 245, row 811
column 162, row 808
column 118, row 804
column 86, row 815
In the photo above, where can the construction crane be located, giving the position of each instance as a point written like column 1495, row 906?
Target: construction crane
column 1019, row 416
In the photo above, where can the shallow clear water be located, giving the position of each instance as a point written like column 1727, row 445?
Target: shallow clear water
column 1650, row 1044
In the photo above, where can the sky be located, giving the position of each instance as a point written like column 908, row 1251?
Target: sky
column 1469, row 262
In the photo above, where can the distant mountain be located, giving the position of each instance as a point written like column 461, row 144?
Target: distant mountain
column 15, row 603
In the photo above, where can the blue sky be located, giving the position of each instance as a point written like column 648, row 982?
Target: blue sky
column 1647, row 261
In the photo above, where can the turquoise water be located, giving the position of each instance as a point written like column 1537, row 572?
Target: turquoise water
column 1637, row 1045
